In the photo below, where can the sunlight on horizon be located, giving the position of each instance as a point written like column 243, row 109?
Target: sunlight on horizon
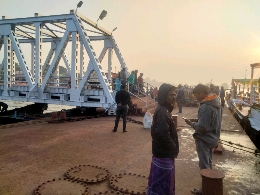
column 169, row 41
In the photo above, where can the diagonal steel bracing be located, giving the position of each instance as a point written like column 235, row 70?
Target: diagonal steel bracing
column 56, row 59
column 19, row 54
column 42, row 81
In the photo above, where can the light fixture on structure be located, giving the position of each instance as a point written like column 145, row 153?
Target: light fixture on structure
column 79, row 5
column 113, row 30
column 102, row 15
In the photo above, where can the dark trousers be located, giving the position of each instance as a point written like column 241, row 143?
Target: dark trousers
column 222, row 102
column 121, row 111
column 141, row 87
column 131, row 88
column 180, row 103
column 204, row 154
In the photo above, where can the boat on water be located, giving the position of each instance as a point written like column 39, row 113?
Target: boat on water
column 240, row 109
column 246, row 106
column 252, row 124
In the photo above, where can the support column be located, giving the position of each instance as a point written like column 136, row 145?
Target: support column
column 252, row 93
column 7, row 64
column 110, row 57
column 74, row 60
column 81, row 67
column 38, row 53
column 13, row 67
column 56, row 73
column 33, row 59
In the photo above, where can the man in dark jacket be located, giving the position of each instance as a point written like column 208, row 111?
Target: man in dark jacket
column 122, row 99
column 165, row 145
column 206, row 127
column 180, row 98
column 140, row 81
column 222, row 96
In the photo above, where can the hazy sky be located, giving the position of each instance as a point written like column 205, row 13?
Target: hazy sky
column 176, row 41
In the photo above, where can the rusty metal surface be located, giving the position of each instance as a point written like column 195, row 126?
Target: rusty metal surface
column 212, row 186
column 211, row 173
column 129, row 183
column 62, row 186
column 88, row 173
column 36, row 152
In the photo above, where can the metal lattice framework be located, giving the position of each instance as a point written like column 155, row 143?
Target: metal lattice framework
column 254, row 98
column 42, row 82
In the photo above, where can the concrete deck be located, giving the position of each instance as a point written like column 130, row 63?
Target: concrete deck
column 34, row 152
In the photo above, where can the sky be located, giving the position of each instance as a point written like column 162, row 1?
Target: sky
column 173, row 41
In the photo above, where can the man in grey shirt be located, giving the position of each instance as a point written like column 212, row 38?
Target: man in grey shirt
column 207, row 126
column 122, row 76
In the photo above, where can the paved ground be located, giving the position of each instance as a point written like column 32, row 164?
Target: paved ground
column 34, row 153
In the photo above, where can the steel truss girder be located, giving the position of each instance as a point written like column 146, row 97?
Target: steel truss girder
column 56, row 58
column 39, row 77
column 44, row 40
column 29, row 79
column 95, row 62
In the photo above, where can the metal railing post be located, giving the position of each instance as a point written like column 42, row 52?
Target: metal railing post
column 146, row 95
column 153, row 98
column 138, row 89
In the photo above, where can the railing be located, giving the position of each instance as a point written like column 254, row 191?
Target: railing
column 255, row 98
column 151, row 87
column 142, row 93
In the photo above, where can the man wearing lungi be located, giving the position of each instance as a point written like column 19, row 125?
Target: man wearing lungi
column 165, row 145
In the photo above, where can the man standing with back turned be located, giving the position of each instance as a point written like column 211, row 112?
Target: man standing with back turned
column 180, row 98
column 122, row 99
column 207, row 126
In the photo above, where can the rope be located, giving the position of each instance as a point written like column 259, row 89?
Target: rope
column 256, row 152
column 229, row 142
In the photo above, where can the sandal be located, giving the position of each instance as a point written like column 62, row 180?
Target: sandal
column 196, row 191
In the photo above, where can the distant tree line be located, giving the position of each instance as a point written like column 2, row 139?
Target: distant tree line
column 155, row 83
column 63, row 71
